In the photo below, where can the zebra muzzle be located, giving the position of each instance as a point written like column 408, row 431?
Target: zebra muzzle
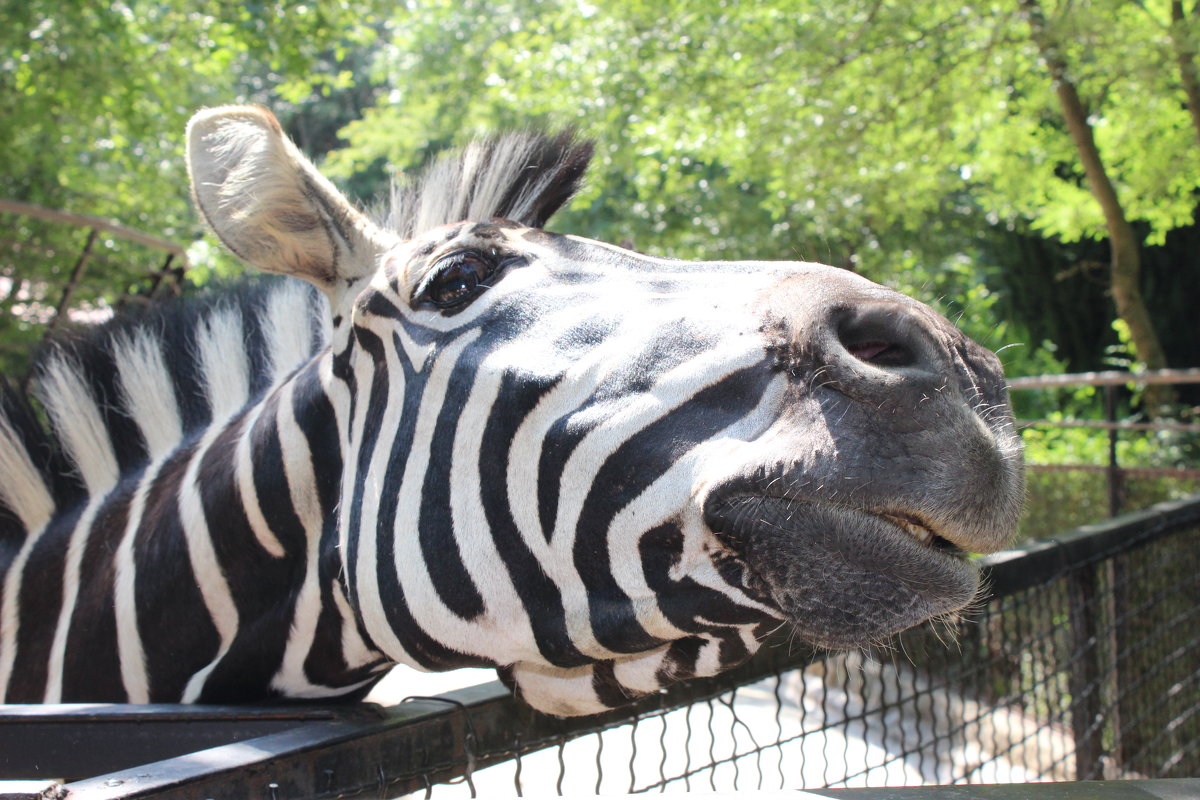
column 843, row 576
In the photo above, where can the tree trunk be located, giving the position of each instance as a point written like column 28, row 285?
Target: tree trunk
column 1125, row 272
column 1185, row 56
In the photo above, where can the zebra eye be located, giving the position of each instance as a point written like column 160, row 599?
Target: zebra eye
column 455, row 280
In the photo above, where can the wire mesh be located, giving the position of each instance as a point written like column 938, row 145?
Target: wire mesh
column 1090, row 673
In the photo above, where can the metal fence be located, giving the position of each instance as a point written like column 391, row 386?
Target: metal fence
column 1119, row 479
column 1084, row 664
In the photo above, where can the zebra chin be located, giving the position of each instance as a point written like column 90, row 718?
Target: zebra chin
column 605, row 685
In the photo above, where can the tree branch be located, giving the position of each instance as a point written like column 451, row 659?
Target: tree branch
column 1125, row 273
column 1185, row 56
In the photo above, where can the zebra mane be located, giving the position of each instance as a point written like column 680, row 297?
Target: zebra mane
column 524, row 177
column 116, row 396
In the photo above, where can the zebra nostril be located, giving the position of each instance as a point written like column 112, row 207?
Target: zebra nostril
column 882, row 336
column 881, row 354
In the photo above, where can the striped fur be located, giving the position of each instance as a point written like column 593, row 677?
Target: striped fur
column 476, row 443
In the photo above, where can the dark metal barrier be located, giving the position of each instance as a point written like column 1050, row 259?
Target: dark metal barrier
column 1083, row 665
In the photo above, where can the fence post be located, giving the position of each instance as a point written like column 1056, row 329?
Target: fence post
column 64, row 302
column 1085, row 677
column 1114, row 470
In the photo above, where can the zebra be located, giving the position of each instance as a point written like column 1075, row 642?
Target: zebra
column 461, row 440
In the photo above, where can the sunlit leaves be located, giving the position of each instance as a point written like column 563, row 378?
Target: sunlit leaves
column 94, row 97
column 857, row 132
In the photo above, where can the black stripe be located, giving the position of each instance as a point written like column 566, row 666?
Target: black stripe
column 732, row 648
column 326, row 662
column 439, row 548
column 609, row 690
column 680, row 663
column 639, row 461
column 128, row 445
column 539, row 594
column 685, row 602
column 427, row 651
column 92, row 667
column 632, row 377
column 564, row 435
column 40, row 601
column 177, row 635
column 315, row 417
column 372, row 426
column 270, row 482
column 263, row 587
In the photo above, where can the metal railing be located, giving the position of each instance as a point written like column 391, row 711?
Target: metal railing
column 1083, row 664
column 1110, row 382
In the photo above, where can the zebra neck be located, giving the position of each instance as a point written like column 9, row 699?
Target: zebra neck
column 266, row 490
column 290, row 470
column 224, row 579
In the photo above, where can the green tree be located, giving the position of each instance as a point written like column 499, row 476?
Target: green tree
column 866, row 133
column 94, row 98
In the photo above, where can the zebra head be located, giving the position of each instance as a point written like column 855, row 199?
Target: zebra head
column 599, row 471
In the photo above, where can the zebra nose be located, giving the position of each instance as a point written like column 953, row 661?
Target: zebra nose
column 881, row 351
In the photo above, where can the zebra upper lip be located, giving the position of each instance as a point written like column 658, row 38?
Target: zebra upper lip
column 920, row 530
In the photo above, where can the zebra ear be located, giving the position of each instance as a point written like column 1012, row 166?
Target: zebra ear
column 270, row 206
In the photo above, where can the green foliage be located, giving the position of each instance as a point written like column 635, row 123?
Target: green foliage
column 94, row 98
column 888, row 138
column 845, row 120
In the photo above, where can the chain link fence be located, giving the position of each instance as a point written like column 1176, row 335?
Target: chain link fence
column 1084, row 664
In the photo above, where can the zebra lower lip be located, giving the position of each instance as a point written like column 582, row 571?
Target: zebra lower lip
column 811, row 560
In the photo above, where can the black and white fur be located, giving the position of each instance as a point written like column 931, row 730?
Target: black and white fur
column 476, row 444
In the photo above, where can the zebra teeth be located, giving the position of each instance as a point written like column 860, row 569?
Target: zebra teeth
column 913, row 528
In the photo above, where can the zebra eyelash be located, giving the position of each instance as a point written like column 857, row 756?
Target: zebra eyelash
column 438, row 288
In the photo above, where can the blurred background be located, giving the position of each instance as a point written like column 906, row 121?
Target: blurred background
column 1029, row 167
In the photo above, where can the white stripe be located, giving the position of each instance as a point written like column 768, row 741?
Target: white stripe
column 222, row 355
column 78, row 424
column 244, row 475
column 288, row 328
column 147, row 392
column 291, row 678
column 673, row 389
column 633, row 414
column 339, row 398
column 506, row 624
column 27, row 495
column 640, row 672
column 22, row 487
column 72, row 578
column 206, row 568
column 129, row 639
column 579, row 380
column 355, row 651
column 25, row 492
column 365, row 571
column 426, row 606
column 666, row 497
